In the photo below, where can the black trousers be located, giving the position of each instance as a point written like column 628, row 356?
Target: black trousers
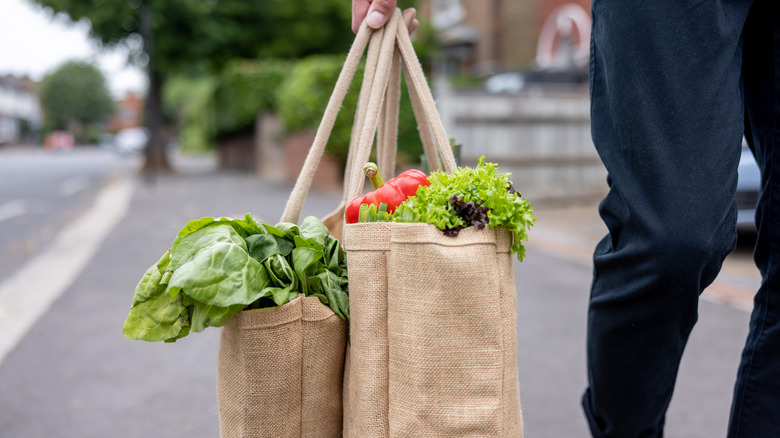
column 674, row 86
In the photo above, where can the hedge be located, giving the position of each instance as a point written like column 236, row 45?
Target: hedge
column 244, row 90
column 304, row 95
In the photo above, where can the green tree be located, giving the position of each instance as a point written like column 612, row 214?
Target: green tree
column 180, row 36
column 75, row 92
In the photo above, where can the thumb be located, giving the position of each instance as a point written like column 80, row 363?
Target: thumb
column 379, row 12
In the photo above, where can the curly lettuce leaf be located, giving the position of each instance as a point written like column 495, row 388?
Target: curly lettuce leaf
column 482, row 185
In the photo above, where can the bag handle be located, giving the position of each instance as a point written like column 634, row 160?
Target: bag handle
column 386, row 39
column 419, row 92
column 292, row 210
column 357, row 124
column 433, row 135
column 387, row 131
column 375, row 101
column 387, row 141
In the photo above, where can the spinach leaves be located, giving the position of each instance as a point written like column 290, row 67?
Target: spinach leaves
column 217, row 267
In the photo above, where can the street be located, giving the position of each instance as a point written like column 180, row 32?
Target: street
column 40, row 191
column 73, row 374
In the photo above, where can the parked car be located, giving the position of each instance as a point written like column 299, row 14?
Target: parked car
column 748, row 188
column 505, row 83
column 131, row 140
column 59, row 140
column 513, row 82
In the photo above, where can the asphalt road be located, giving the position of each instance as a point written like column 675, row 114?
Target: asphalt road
column 72, row 374
column 40, row 192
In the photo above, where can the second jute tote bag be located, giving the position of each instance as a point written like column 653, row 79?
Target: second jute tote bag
column 279, row 372
column 432, row 346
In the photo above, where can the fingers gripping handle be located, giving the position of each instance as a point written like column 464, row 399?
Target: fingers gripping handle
column 374, row 105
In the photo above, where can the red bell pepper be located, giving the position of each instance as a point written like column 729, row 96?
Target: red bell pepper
column 393, row 192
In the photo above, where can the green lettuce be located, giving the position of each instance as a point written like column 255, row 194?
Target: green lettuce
column 217, row 267
column 460, row 199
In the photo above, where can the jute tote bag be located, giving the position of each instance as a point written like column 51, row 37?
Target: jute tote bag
column 433, row 346
column 279, row 372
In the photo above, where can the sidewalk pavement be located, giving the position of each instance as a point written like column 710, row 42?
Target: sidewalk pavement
column 74, row 375
column 573, row 231
column 554, row 284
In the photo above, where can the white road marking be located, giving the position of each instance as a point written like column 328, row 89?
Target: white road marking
column 29, row 292
column 12, row 209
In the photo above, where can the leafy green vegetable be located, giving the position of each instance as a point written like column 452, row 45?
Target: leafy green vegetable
column 283, row 279
column 460, row 199
column 332, row 287
column 313, row 228
column 221, row 274
column 262, row 246
column 204, row 315
column 152, row 284
column 159, row 318
column 217, row 267
column 473, row 214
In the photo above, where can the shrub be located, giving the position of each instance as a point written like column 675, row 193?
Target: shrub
column 188, row 100
column 304, row 95
column 244, row 90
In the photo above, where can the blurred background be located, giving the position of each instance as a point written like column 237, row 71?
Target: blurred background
column 248, row 81
column 121, row 120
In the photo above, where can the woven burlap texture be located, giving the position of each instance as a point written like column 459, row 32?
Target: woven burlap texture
column 433, row 341
column 433, row 345
column 280, row 372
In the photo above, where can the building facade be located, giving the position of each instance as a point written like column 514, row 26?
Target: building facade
column 20, row 109
column 129, row 113
column 484, row 37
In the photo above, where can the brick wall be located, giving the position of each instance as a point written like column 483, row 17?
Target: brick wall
column 329, row 174
column 479, row 14
column 519, row 32
column 237, row 153
column 508, row 30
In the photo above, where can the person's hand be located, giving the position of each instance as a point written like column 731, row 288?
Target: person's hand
column 378, row 12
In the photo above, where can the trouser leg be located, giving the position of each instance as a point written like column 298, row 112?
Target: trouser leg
column 756, row 405
column 667, row 121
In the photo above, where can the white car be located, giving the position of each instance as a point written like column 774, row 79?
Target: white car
column 505, row 83
column 748, row 188
column 131, row 140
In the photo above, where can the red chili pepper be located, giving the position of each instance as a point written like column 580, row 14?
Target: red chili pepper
column 393, row 192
